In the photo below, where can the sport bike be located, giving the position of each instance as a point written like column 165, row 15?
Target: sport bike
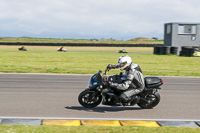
column 100, row 91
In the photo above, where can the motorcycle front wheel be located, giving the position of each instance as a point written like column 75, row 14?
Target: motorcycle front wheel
column 153, row 99
column 89, row 99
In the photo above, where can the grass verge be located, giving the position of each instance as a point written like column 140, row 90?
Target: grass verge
column 54, row 48
column 93, row 129
column 13, row 61
column 56, row 40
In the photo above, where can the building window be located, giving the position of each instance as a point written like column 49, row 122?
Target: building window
column 187, row 29
column 168, row 29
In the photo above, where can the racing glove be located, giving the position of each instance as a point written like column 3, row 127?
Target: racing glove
column 112, row 66
column 113, row 85
column 109, row 67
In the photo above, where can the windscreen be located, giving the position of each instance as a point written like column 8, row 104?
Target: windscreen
column 97, row 77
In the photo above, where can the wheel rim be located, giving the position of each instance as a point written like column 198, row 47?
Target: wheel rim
column 153, row 100
column 88, row 99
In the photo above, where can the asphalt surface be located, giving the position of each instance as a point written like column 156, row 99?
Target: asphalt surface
column 45, row 95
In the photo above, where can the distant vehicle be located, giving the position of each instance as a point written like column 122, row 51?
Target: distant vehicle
column 22, row 48
column 123, row 51
column 62, row 49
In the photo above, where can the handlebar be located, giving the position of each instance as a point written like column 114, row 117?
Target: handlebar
column 106, row 70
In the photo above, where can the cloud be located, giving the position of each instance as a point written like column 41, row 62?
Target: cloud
column 90, row 18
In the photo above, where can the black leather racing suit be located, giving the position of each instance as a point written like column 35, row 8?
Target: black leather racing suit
column 133, row 84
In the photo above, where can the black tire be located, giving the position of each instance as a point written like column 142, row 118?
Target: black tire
column 155, row 98
column 86, row 99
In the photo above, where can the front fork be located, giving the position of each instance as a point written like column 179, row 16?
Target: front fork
column 95, row 92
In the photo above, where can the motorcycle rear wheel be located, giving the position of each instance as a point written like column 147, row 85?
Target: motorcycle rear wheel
column 86, row 99
column 154, row 98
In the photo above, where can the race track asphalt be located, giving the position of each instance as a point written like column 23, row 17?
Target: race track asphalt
column 56, row 96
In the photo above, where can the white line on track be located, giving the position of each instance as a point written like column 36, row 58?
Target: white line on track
column 64, row 118
column 45, row 74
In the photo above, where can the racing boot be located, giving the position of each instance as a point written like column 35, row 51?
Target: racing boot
column 128, row 100
column 134, row 100
column 124, row 99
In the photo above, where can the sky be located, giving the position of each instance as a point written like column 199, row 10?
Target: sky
column 86, row 19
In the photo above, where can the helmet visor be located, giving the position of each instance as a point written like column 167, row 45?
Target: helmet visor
column 122, row 64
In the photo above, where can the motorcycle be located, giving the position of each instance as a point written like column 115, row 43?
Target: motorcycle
column 99, row 92
column 62, row 49
column 22, row 49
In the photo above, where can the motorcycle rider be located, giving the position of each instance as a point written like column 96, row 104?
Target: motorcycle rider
column 60, row 49
column 134, row 82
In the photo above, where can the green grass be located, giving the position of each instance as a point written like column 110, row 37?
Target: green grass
column 54, row 48
column 13, row 61
column 93, row 129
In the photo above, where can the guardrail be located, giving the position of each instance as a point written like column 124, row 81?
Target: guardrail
column 189, row 51
column 81, row 44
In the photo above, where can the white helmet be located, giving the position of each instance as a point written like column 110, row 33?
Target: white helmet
column 124, row 62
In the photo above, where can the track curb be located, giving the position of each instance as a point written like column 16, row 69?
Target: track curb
column 82, row 122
